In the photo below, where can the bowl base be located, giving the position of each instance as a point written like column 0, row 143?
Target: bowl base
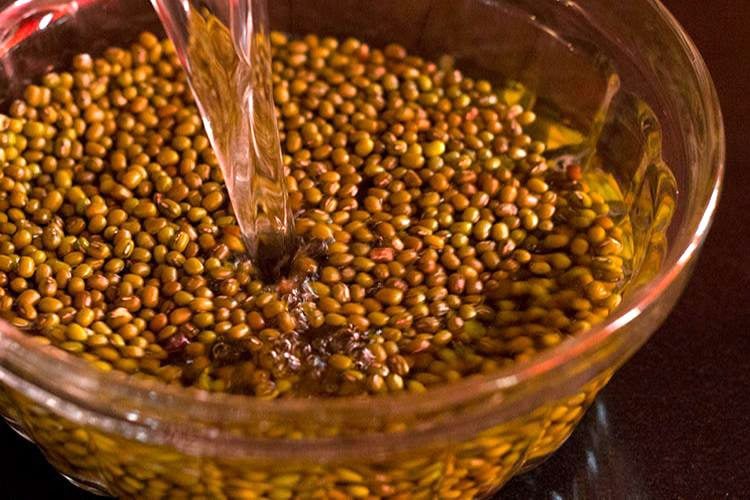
column 18, row 429
column 533, row 464
column 90, row 487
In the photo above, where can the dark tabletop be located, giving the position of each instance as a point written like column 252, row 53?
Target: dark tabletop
column 675, row 421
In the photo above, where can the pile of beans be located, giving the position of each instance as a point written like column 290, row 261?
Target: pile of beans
column 436, row 241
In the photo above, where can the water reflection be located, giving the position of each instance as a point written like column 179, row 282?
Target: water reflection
column 592, row 464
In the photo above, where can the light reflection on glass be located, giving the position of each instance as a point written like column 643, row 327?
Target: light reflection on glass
column 592, row 464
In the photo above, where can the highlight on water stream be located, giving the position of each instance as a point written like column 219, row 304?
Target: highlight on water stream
column 225, row 50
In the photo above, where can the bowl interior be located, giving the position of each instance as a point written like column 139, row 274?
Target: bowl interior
column 622, row 74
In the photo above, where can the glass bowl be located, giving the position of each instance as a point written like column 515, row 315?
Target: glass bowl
column 623, row 73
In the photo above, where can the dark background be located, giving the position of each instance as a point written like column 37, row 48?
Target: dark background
column 675, row 421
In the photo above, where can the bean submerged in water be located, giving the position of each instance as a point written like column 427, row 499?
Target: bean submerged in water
column 436, row 241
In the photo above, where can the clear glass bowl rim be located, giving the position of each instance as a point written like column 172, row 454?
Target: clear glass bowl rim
column 36, row 371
